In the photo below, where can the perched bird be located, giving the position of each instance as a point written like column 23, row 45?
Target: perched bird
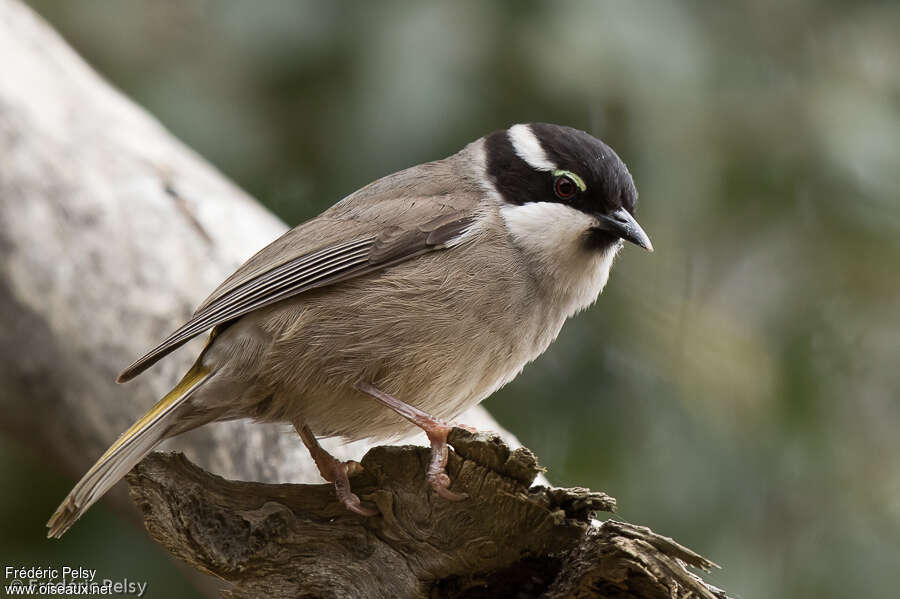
column 401, row 306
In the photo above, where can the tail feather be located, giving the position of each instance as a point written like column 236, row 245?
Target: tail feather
column 128, row 450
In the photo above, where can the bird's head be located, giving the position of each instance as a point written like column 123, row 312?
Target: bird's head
column 543, row 164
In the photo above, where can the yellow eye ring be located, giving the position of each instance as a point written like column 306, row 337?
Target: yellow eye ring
column 579, row 182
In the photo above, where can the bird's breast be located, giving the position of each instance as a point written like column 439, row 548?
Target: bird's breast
column 441, row 332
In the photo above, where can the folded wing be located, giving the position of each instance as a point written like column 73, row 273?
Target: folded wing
column 292, row 265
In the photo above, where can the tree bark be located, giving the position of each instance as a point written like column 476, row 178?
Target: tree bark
column 507, row 539
column 111, row 231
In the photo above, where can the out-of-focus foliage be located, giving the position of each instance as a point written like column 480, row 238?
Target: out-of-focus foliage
column 738, row 388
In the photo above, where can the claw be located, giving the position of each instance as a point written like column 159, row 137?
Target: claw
column 335, row 472
column 441, row 485
column 342, row 489
column 436, row 431
column 437, row 467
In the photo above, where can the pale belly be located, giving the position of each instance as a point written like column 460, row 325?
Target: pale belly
column 439, row 343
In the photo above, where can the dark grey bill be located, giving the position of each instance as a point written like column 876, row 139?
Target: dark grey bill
column 622, row 225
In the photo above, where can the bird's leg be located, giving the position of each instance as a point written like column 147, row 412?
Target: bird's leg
column 436, row 431
column 334, row 471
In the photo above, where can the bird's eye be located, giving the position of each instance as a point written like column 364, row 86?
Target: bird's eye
column 564, row 187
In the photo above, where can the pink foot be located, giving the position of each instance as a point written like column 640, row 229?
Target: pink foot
column 436, row 431
column 335, row 471
column 340, row 477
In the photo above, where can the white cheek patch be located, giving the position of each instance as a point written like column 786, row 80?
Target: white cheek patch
column 546, row 228
column 552, row 236
column 527, row 147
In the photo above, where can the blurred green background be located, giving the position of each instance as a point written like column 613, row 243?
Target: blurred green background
column 737, row 389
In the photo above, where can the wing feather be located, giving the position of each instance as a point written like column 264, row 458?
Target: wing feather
column 333, row 263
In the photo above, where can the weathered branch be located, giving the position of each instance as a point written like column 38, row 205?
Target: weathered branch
column 508, row 539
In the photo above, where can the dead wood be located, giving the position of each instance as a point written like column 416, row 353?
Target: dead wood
column 508, row 539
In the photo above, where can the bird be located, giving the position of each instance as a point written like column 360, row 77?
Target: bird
column 399, row 307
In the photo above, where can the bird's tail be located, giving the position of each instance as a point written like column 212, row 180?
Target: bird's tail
column 128, row 450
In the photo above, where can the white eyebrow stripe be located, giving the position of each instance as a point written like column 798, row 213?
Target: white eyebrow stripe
column 527, row 147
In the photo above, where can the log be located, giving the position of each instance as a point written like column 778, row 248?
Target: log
column 508, row 539
column 111, row 231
